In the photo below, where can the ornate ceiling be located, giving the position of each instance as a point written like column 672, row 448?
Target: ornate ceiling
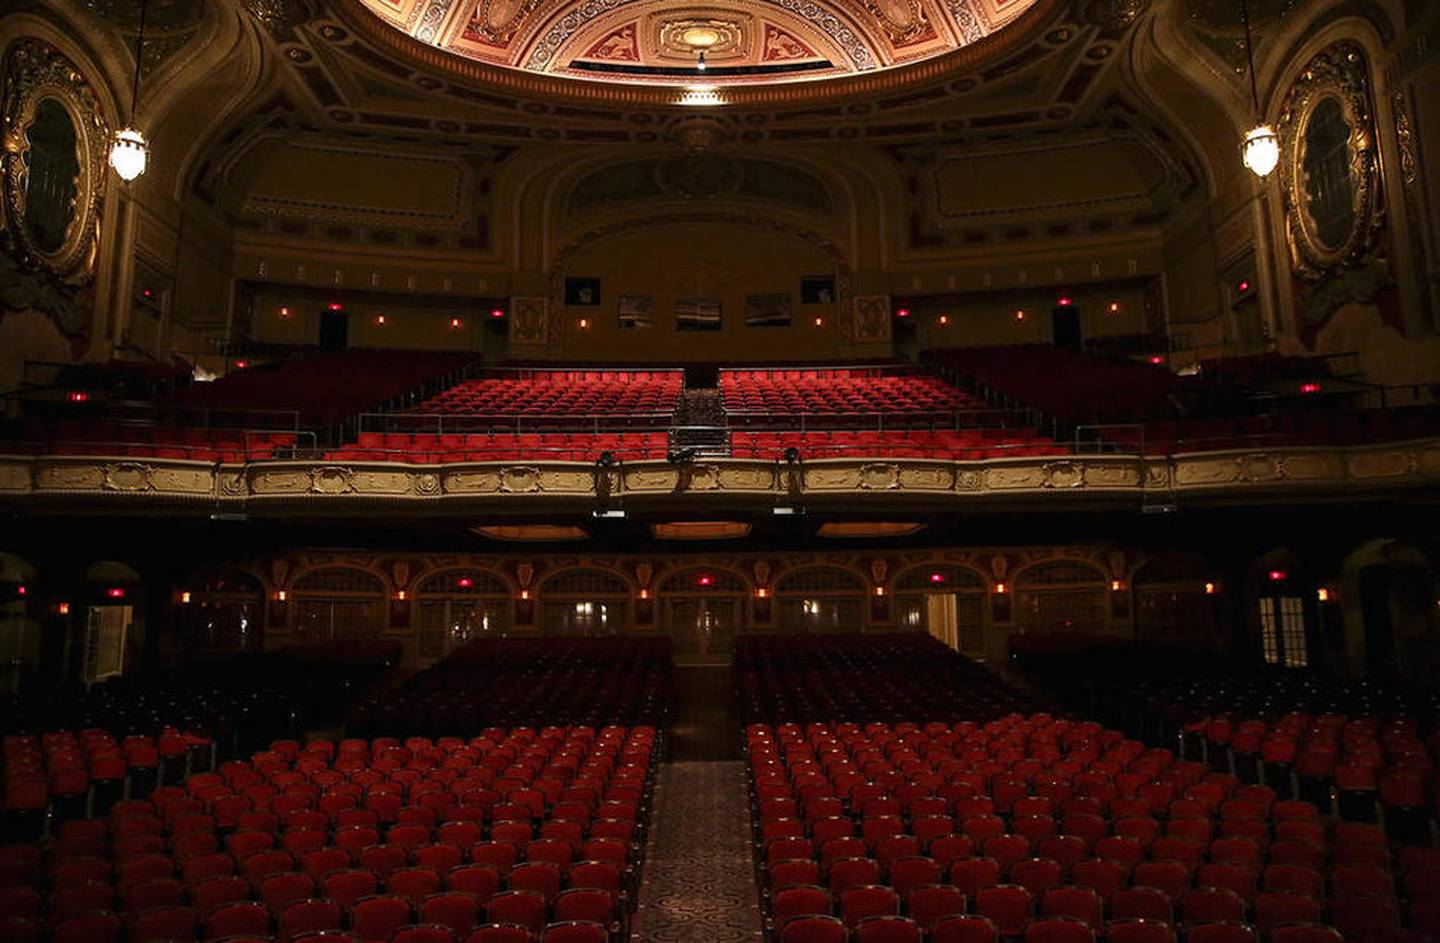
column 745, row 42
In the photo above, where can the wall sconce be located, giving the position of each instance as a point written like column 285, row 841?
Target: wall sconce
column 380, row 320
column 762, row 593
column 284, row 311
column 1322, row 594
column 524, row 594
column 1209, row 589
column 879, row 591
column 944, row 319
column 1019, row 314
column 1114, row 307
column 584, row 324
column 455, row 324
column 399, row 595
column 281, row 595
column 1000, row 589
column 185, row 598
column 62, row 608
column 819, row 322
column 644, row 594
column 1116, row 586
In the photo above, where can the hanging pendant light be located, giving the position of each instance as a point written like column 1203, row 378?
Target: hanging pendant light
column 1260, row 148
column 129, row 153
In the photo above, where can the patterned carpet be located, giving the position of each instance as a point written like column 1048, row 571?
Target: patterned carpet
column 699, row 880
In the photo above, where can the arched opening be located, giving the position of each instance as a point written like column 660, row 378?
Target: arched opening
column 822, row 600
column 225, row 613
column 583, row 601
column 1284, row 616
column 704, row 609
column 1062, row 596
column 946, row 600
column 110, row 632
column 336, row 603
column 455, row 607
column 1171, row 605
column 1388, row 594
column 19, row 637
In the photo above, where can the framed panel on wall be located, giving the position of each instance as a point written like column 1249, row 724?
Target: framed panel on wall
column 636, row 312
column 817, row 289
column 582, row 292
column 767, row 310
column 698, row 314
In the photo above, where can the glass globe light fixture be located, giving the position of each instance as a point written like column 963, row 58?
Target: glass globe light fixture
column 129, row 154
column 1260, row 150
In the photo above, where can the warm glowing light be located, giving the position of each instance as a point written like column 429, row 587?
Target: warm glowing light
column 819, row 322
column 584, row 324
column 902, row 312
column 62, row 608
column 115, row 592
column 129, row 153
column 1260, row 150
column 944, row 319
column 1209, row 589
column 380, row 319
column 879, row 591
column 399, row 595
column 524, row 594
column 281, row 595
column 185, row 598
column 284, row 311
column 700, row 96
column 1277, row 576
column 1114, row 307
column 762, row 592
column 1309, row 388
column 455, row 323
column 644, row 594
column 1000, row 589
column 1116, row 586
column 1019, row 314
column 1322, row 594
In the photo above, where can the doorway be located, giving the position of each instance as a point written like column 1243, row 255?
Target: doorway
column 334, row 329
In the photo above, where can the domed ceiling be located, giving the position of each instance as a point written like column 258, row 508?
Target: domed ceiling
column 744, row 42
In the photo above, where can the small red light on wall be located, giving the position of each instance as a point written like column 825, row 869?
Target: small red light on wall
column 241, row 364
column 455, row 324
column 705, row 579
column 335, row 306
column 937, row 577
column 1157, row 359
column 1309, row 388
column 464, row 582
column 944, row 319
column 1000, row 589
column 77, row 396
column 1064, row 301
column 62, row 608
column 902, row 312
column 185, row 598
column 20, row 590
column 284, row 311
column 1242, row 286
column 1277, row 576
column 1209, row 589
column 115, row 592
column 1322, row 594
column 148, row 293
column 497, row 313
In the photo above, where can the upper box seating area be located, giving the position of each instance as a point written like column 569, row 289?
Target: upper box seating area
column 951, row 444
column 536, row 394
column 197, row 444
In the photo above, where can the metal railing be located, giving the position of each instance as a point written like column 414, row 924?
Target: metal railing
column 250, row 446
column 455, row 423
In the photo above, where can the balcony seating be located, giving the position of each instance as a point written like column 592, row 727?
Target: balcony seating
column 952, row 445
column 561, row 393
column 822, row 392
column 70, row 438
column 503, row 446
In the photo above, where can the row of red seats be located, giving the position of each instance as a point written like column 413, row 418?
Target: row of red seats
column 544, row 395
column 758, row 392
column 254, row 844
column 62, row 764
column 952, row 444
column 496, row 447
column 201, row 445
column 855, row 807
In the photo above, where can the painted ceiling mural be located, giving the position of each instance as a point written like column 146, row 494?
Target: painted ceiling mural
column 661, row 41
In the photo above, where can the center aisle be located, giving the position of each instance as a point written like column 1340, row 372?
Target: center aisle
column 699, row 880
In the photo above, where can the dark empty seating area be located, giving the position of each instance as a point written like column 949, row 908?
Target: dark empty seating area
column 527, row 681
column 413, row 841
column 560, row 393
column 763, row 394
column 949, row 444
column 1234, row 403
column 425, row 448
column 875, row 821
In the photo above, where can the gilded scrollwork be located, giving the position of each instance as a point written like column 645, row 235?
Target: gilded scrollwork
column 1328, row 163
column 37, row 79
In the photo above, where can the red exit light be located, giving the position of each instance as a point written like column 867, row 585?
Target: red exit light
column 1278, row 576
column 1309, row 388
column 902, row 312
column 115, row 592
column 1064, row 301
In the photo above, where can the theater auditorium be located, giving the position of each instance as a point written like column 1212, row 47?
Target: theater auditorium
column 719, row 471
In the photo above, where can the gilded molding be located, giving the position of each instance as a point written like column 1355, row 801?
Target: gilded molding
column 1401, row 464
